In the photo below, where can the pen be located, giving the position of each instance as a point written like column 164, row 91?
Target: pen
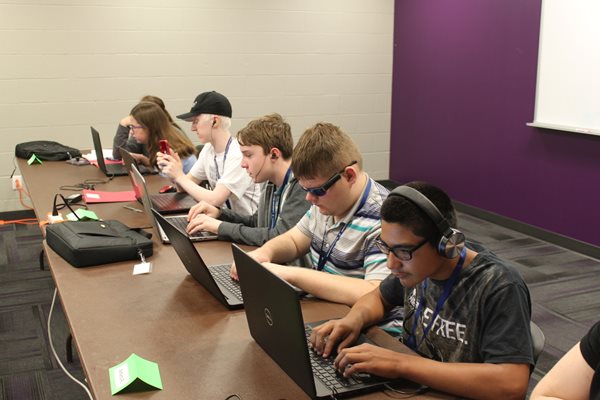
column 132, row 209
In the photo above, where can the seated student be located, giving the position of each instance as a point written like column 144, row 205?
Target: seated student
column 266, row 144
column 218, row 162
column 339, row 229
column 149, row 125
column 576, row 376
column 467, row 311
column 123, row 138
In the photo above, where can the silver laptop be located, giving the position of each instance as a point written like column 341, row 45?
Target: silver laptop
column 215, row 278
column 108, row 169
column 180, row 221
column 276, row 323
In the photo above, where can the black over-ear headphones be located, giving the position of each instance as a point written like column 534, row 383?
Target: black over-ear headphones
column 452, row 241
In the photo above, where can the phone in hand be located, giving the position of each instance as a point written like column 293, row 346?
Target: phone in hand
column 164, row 147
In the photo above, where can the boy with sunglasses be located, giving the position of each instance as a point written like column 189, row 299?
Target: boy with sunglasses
column 339, row 229
column 266, row 144
column 467, row 311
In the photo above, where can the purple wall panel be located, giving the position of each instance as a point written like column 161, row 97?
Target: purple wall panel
column 463, row 88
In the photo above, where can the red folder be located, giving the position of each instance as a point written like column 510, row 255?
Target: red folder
column 98, row 196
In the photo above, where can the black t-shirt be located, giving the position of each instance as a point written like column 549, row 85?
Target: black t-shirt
column 590, row 349
column 485, row 318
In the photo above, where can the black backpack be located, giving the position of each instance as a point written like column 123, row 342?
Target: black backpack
column 46, row 150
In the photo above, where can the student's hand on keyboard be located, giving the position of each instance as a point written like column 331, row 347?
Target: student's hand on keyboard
column 203, row 222
column 368, row 358
column 169, row 165
column 204, row 208
column 324, row 338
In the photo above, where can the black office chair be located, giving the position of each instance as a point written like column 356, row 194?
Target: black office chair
column 538, row 339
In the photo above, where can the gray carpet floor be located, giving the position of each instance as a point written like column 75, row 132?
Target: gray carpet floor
column 28, row 371
column 562, row 285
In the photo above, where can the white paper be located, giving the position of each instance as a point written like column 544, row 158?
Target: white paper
column 142, row 268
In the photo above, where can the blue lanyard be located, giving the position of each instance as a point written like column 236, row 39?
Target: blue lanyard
column 440, row 303
column 276, row 199
column 323, row 258
column 217, row 167
column 224, row 159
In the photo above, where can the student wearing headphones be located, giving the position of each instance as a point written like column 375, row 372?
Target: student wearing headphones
column 266, row 144
column 218, row 162
column 466, row 310
column 338, row 232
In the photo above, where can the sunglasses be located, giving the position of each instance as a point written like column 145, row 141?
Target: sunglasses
column 402, row 253
column 322, row 190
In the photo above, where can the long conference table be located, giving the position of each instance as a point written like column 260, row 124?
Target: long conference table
column 203, row 350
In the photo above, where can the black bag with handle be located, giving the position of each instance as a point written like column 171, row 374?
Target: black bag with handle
column 87, row 243
column 46, row 150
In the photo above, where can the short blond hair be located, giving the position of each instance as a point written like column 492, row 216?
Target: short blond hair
column 323, row 150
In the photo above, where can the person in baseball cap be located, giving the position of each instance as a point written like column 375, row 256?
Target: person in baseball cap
column 218, row 162
column 209, row 103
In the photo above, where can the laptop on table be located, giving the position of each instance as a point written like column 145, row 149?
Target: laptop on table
column 165, row 203
column 128, row 161
column 180, row 221
column 215, row 278
column 275, row 320
column 108, row 169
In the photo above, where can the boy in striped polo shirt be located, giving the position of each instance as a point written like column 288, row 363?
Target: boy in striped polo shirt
column 339, row 230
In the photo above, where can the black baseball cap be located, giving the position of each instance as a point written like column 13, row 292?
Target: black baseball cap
column 209, row 103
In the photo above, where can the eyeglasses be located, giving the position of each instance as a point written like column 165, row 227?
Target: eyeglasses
column 322, row 190
column 133, row 127
column 401, row 252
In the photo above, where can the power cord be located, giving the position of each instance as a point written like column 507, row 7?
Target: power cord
column 24, row 221
column 22, row 190
column 404, row 393
column 56, row 355
column 89, row 184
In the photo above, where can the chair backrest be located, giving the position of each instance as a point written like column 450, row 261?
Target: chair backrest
column 538, row 339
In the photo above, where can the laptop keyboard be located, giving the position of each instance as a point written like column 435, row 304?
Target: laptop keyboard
column 182, row 223
column 165, row 202
column 221, row 275
column 324, row 370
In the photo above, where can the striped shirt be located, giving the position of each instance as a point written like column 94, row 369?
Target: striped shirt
column 355, row 253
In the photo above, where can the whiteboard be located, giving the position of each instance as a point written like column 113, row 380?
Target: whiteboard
column 568, row 76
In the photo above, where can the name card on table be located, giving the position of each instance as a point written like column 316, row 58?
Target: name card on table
column 134, row 375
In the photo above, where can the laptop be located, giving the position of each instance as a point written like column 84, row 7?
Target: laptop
column 165, row 203
column 128, row 161
column 180, row 221
column 275, row 320
column 215, row 278
column 108, row 169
